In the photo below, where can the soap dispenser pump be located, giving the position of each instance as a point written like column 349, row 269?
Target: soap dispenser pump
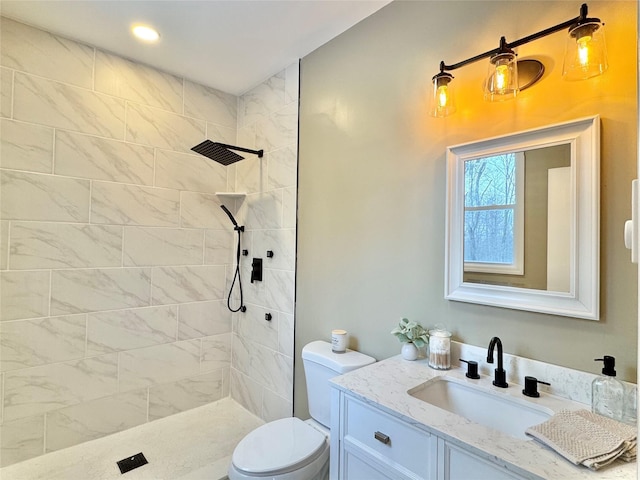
column 607, row 392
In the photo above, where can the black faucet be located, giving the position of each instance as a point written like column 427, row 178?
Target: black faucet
column 500, row 378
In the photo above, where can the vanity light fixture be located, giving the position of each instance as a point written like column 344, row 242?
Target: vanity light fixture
column 585, row 57
column 145, row 33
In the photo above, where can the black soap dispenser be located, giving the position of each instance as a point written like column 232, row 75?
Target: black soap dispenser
column 607, row 392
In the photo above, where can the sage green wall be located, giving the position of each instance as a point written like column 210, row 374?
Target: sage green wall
column 371, row 198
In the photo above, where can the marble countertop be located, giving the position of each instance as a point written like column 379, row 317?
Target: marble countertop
column 385, row 384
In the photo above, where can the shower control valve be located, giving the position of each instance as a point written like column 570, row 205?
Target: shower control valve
column 268, row 317
column 245, row 252
column 269, row 253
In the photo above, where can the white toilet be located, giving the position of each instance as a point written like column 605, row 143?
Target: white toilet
column 290, row 449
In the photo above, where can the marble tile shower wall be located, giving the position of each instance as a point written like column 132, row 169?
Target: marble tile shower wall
column 114, row 253
column 262, row 351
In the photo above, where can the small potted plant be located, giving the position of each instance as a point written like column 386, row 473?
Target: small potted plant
column 412, row 335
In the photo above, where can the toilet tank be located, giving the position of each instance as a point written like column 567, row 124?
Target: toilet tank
column 321, row 364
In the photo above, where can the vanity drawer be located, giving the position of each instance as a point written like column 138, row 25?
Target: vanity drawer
column 387, row 436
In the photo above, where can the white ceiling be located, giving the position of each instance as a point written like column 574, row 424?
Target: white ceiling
column 231, row 45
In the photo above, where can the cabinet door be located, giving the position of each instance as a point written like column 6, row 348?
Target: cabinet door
column 356, row 468
column 455, row 463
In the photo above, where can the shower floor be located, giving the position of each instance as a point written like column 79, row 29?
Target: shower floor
column 192, row 445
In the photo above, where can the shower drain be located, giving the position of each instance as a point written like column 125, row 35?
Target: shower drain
column 127, row 464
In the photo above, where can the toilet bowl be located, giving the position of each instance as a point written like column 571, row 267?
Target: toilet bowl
column 285, row 449
column 289, row 448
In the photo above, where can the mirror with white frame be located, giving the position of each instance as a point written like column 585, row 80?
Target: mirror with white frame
column 523, row 220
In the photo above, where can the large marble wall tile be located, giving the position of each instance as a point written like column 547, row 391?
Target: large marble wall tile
column 34, row 196
column 35, row 51
column 218, row 133
column 251, row 174
column 189, row 172
column 6, row 92
column 163, row 246
column 87, row 156
column 152, row 126
column 39, row 100
column 203, row 319
column 24, row 146
column 119, row 204
column 24, row 294
column 278, row 130
column 159, row 364
column 77, row 291
column 21, row 439
column 283, row 167
column 119, row 330
column 40, row 389
column 289, row 207
column 29, row 343
column 187, row 284
column 216, row 352
column 171, row 398
column 264, row 99
column 201, row 210
column 246, row 392
column 286, row 334
column 274, row 407
column 95, row 419
column 4, row 244
column 210, row 104
column 216, row 247
column 292, row 82
column 283, row 244
column 267, row 367
column 247, row 137
column 264, row 211
column 253, row 326
column 61, row 245
column 281, row 291
column 126, row 79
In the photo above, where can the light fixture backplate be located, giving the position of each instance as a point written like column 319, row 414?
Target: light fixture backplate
column 529, row 72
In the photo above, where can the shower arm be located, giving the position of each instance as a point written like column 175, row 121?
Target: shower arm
column 259, row 153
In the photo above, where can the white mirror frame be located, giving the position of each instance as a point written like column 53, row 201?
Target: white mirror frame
column 583, row 299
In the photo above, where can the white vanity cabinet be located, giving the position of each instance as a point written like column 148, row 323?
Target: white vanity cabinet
column 369, row 444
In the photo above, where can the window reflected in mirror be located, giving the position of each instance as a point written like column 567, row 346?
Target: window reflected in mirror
column 517, row 213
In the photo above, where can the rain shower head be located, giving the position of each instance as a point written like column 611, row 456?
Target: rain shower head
column 222, row 153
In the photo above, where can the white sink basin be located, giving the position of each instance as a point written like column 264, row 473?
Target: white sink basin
column 484, row 406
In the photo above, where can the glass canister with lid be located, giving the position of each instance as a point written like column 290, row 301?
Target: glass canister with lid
column 440, row 348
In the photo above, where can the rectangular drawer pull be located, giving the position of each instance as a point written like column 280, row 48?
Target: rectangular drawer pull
column 381, row 437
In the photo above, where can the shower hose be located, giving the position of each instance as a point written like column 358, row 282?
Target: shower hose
column 236, row 275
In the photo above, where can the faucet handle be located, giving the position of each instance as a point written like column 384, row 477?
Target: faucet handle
column 531, row 386
column 472, row 369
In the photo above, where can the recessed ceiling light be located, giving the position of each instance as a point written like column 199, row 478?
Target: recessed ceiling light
column 145, row 33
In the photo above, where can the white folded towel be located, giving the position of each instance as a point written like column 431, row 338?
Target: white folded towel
column 586, row 438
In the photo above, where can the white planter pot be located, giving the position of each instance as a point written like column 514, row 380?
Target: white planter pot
column 409, row 351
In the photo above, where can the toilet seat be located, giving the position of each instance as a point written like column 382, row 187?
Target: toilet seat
column 279, row 447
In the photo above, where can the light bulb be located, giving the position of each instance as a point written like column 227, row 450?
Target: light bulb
column 583, row 50
column 443, row 96
column 502, row 77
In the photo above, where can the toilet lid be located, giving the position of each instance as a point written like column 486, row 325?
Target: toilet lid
column 278, row 446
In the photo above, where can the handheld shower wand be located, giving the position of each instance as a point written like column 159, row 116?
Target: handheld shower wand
column 233, row 220
column 239, row 229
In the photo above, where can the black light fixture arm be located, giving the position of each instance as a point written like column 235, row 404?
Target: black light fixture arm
column 259, row 153
column 504, row 46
